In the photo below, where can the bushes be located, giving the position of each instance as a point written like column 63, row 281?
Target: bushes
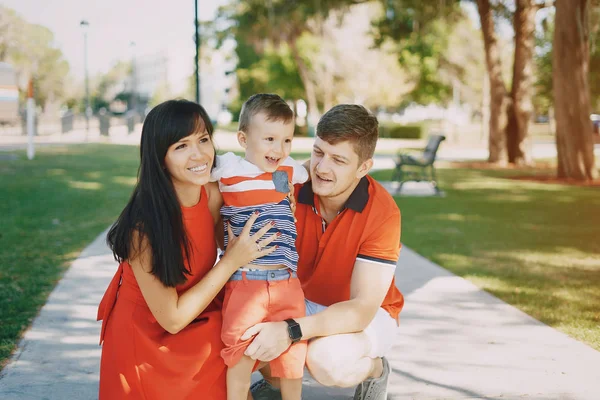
column 386, row 130
column 397, row 131
column 301, row 131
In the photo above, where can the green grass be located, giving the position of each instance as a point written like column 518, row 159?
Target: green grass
column 51, row 208
column 535, row 246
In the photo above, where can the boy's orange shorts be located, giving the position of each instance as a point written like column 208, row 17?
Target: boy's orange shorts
column 252, row 297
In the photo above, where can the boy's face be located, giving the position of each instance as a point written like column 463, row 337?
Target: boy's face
column 268, row 143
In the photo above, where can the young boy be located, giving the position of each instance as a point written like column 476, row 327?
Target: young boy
column 268, row 289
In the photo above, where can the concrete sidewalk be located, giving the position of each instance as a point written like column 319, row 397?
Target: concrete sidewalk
column 455, row 342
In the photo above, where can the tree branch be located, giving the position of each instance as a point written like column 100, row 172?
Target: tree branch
column 545, row 4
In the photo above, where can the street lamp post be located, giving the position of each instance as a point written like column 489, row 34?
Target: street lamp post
column 197, row 60
column 88, row 111
column 30, row 119
column 133, row 79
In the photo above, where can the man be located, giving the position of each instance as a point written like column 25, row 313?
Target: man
column 348, row 243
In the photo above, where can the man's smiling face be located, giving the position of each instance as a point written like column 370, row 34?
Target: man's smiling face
column 334, row 168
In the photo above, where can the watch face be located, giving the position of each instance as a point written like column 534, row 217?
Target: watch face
column 295, row 332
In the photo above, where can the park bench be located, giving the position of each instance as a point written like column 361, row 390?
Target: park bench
column 424, row 163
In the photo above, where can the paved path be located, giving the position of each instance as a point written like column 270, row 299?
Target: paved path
column 455, row 342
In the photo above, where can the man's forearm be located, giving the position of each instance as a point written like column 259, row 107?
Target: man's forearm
column 344, row 317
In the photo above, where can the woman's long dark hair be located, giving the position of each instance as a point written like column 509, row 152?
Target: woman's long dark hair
column 153, row 209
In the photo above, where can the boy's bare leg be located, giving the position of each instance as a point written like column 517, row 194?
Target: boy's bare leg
column 265, row 371
column 238, row 379
column 291, row 389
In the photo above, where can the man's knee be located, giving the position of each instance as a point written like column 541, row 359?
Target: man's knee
column 332, row 361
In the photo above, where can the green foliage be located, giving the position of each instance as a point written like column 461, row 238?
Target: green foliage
column 263, row 65
column 160, row 94
column 542, row 100
column 301, row 131
column 31, row 50
column 276, row 20
column 266, row 34
column 594, row 81
column 397, row 131
column 272, row 72
column 105, row 90
column 258, row 30
column 421, row 31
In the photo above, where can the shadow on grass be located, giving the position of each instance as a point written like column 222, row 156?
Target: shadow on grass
column 534, row 245
column 53, row 207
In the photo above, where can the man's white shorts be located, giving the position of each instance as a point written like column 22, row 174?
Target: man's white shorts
column 381, row 331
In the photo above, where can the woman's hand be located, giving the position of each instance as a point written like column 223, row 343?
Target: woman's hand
column 244, row 249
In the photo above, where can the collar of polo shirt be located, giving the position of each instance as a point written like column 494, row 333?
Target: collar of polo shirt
column 357, row 201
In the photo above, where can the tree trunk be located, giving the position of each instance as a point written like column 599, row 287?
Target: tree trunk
column 499, row 99
column 309, row 87
column 571, row 54
column 519, row 113
column 328, row 82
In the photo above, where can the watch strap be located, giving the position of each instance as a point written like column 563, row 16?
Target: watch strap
column 294, row 330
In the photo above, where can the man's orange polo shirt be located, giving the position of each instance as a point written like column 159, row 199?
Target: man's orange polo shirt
column 367, row 229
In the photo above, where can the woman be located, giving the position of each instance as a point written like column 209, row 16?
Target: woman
column 161, row 314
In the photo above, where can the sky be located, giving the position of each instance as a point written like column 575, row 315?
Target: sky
column 155, row 26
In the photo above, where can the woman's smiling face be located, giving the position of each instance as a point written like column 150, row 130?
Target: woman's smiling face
column 189, row 160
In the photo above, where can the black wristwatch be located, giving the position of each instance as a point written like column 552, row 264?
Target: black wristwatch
column 294, row 330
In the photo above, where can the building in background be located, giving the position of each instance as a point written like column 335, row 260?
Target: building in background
column 217, row 83
column 9, row 95
column 150, row 77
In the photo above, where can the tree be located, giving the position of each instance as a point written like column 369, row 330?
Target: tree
column 510, row 111
column 571, row 61
column 421, row 31
column 542, row 100
column 594, row 69
column 329, row 57
column 30, row 49
column 521, row 104
column 278, row 22
column 273, row 72
column 110, row 86
column 499, row 99
column 346, row 67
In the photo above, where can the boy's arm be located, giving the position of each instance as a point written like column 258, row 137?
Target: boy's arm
column 300, row 174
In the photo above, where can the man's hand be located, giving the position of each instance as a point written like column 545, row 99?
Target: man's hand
column 271, row 340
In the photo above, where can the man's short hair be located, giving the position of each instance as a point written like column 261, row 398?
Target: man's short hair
column 353, row 123
column 273, row 106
